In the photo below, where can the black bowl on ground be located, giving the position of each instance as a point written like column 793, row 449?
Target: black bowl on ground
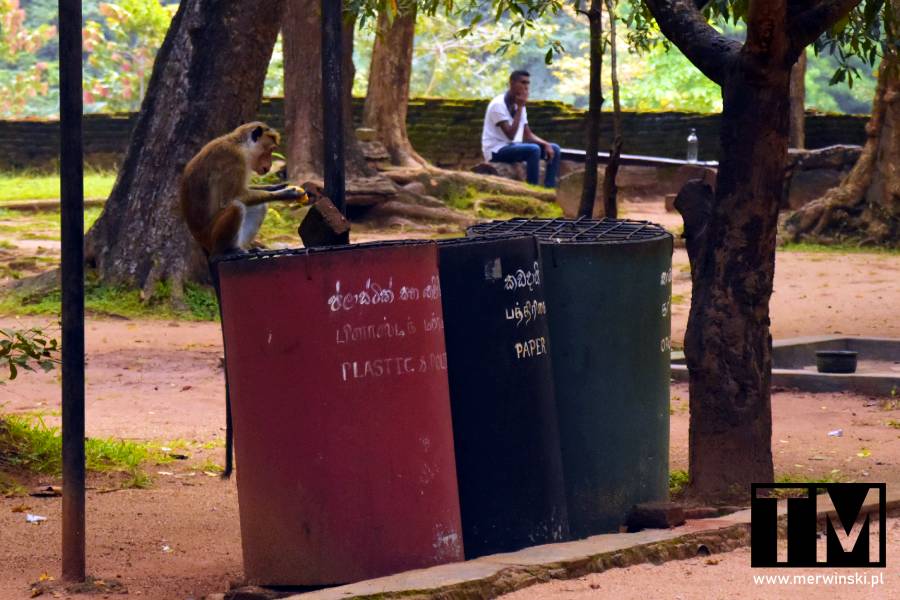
column 836, row 361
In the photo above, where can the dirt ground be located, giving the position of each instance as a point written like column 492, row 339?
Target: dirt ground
column 161, row 381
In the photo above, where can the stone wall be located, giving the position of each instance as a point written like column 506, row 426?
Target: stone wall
column 447, row 132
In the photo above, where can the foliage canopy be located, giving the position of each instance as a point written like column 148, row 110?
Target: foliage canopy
column 464, row 48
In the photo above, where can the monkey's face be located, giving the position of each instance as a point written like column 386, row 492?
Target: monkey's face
column 263, row 162
column 262, row 142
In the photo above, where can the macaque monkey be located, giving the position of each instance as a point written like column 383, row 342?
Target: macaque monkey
column 222, row 210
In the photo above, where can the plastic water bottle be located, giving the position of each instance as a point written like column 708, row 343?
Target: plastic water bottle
column 693, row 144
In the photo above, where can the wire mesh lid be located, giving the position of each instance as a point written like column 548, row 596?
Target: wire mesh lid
column 602, row 231
column 255, row 255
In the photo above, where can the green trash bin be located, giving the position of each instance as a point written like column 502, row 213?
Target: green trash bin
column 608, row 289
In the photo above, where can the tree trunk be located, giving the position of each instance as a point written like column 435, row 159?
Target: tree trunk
column 727, row 344
column 207, row 79
column 866, row 206
column 387, row 96
column 610, row 189
column 731, row 243
column 797, row 137
column 302, row 39
column 614, row 70
column 595, row 102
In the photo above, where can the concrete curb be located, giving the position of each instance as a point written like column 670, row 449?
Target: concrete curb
column 491, row 576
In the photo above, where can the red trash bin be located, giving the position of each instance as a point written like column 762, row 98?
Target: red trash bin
column 343, row 439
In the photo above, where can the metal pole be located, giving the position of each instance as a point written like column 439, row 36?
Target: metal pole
column 332, row 102
column 72, row 228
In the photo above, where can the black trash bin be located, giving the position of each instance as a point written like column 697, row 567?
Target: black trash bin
column 501, row 395
column 608, row 289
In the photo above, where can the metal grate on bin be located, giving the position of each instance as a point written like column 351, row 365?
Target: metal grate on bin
column 603, row 231
column 270, row 254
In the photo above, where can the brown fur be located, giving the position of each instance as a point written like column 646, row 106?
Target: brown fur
column 215, row 192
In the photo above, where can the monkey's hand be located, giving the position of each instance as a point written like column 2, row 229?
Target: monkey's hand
column 292, row 192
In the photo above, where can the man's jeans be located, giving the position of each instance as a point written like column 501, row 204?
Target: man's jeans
column 532, row 155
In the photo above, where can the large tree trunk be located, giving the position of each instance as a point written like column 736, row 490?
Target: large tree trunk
column 207, row 79
column 731, row 240
column 302, row 35
column 797, row 137
column 727, row 344
column 387, row 96
column 595, row 103
column 866, row 206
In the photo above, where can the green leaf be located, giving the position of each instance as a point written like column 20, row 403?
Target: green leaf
column 838, row 27
column 871, row 10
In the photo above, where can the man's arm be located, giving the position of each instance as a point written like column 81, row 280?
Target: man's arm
column 529, row 136
column 510, row 129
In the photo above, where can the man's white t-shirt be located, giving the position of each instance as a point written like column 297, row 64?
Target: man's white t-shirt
column 492, row 136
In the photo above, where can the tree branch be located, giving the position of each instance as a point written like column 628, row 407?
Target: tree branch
column 807, row 26
column 682, row 23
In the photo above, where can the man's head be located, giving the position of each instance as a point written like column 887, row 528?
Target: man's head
column 519, row 82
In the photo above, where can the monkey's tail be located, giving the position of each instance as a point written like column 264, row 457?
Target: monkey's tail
column 229, row 433
column 229, row 430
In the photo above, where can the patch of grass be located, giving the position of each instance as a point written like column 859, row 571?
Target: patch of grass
column 677, row 299
column 460, row 198
column 32, row 185
column 10, row 488
column 29, row 444
column 893, row 424
column 792, row 478
column 177, row 444
column 137, row 479
column 210, row 467
column 837, row 248
column 499, row 206
column 201, row 302
column 890, row 404
column 217, row 443
column 678, row 481
column 121, row 301
column 535, row 187
column 7, row 245
column 281, row 223
column 677, row 406
column 5, row 271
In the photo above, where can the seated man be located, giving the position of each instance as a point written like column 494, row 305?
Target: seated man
column 507, row 138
